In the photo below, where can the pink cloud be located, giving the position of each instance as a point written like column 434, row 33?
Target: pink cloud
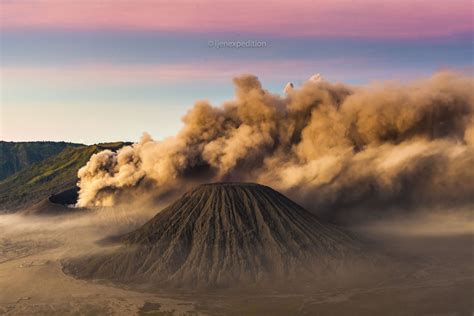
column 364, row 18
column 80, row 74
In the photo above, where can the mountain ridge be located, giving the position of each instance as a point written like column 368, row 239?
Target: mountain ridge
column 50, row 176
column 16, row 156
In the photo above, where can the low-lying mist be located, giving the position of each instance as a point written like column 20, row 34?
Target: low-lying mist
column 80, row 236
column 77, row 233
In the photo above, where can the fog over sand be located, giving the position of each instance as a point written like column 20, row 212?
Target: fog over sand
column 332, row 147
column 429, row 272
column 31, row 276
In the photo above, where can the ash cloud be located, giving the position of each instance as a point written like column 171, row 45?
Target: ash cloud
column 330, row 146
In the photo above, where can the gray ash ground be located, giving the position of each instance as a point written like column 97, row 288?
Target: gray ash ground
column 427, row 270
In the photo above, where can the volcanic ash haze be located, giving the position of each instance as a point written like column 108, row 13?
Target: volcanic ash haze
column 329, row 146
column 224, row 234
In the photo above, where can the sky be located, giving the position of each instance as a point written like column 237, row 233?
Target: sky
column 95, row 71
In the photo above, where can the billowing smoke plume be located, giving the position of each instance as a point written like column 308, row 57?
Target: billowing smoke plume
column 330, row 146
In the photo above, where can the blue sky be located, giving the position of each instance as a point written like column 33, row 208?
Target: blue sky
column 111, row 83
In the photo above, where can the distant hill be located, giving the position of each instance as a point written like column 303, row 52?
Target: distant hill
column 223, row 234
column 47, row 177
column 16, row 156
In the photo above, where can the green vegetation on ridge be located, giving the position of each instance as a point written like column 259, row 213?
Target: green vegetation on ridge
column 52, row 175
column 16, row 156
